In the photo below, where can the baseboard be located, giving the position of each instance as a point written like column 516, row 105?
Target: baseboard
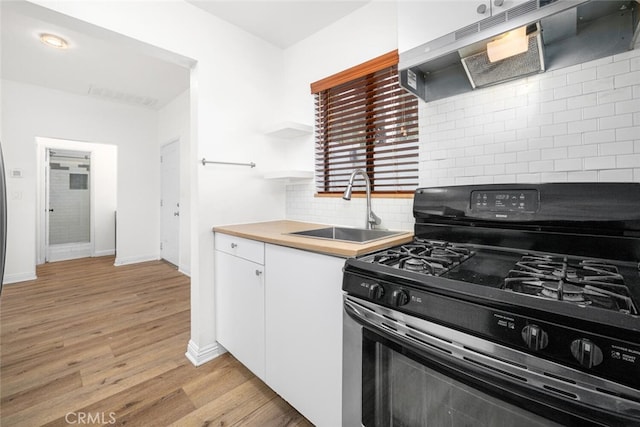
column 105, row 252
column 135, row 259
column 186, row 270
column 69, row 251
column 18, row 277
column 199, row 356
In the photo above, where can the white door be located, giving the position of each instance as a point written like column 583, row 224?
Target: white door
column 170, row 202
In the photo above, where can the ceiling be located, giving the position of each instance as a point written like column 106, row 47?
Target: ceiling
column 101, row 65
column 282, row 23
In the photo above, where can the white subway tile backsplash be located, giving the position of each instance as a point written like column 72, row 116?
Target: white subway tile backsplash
column 601, row 162
column 554, row 177
column 612, row 69
column 581, row 76
column 568, row 164
column 628, row 161
column 583, row 176
column 578, row 124
column 615, row 175
column 541, row 166
column 599, row 111
column 553, row 130
column 631, row 106
column 553, row 153
column 627, row 79
column 567, row 140
column 599, row 136
column 613, row 122
column 597, row 85
column 608, row 149
column 615, row 95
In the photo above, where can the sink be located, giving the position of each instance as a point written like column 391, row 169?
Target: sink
column 357, row 235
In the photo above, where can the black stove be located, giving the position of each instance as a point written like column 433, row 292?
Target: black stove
column 552, row 270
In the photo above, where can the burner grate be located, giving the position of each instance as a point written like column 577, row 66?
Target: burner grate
column 431, row 257
column 583, row 282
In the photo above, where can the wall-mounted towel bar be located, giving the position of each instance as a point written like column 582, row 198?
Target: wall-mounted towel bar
column 205, row 161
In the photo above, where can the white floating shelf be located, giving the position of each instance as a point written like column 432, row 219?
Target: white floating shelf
column 289, row 176
column 288, row 130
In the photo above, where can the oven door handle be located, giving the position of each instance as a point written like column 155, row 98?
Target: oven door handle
column 510, row 365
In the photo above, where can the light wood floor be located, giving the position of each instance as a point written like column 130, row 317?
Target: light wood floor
column 100, row 344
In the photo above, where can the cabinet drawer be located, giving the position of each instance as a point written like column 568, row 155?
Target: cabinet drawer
column 251, row 250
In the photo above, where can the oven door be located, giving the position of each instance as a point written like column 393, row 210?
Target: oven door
column 404, row 371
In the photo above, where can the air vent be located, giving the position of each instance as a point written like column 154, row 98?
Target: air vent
column 126, row 98
column 523, row 9
column 493, row 21
column 466, row 31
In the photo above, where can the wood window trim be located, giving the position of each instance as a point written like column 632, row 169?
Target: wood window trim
column 371, row 66
column 377, row 195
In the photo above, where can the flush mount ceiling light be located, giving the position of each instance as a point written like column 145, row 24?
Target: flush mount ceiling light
column 510, row 44
column 53, row 41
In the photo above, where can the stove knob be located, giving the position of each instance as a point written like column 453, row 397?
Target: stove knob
column 586, row 353
column 399, row 297
column 535, row 338
column 376, row 291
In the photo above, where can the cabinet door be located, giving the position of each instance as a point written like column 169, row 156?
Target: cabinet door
column 420, row 22
column 240, row 309
column 304, row 331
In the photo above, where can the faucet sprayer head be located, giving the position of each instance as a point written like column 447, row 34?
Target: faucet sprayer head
column 347, row 192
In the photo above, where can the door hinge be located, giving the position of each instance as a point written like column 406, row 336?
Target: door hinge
column 160, row 245
column 161, row 203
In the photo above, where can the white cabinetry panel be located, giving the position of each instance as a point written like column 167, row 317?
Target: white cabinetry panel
column 304, row 331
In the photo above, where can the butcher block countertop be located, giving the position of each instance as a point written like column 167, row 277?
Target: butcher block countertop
column 276, row 232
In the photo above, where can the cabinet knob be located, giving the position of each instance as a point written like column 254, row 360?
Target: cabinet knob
column 234, row 245
column 498, row 3
column 482, row 9
column 258, row 273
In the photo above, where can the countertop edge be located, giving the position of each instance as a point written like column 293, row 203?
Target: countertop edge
column 276, row 232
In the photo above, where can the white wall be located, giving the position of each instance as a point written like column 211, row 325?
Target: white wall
column 234, row 94
column 174, row 125
column 32, row 111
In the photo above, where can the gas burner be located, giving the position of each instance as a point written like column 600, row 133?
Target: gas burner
column 582, row 282
column 563, row 291
column 431, row 257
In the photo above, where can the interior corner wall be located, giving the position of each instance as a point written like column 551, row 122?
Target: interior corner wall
column 31, row 111
column 174, row 125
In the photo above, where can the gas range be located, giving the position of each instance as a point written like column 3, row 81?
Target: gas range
column 551, row 270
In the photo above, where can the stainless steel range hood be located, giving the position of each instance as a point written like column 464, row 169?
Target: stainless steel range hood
column 559, row 33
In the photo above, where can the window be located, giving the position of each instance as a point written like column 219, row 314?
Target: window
column 365, row 120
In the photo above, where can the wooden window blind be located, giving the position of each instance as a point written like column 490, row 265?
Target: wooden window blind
column 366, row 122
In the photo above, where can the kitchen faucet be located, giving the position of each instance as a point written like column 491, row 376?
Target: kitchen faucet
column 372, row 219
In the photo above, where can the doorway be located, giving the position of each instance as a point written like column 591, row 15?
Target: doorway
column 170, row 202
column 62, row 232
column 68, row 204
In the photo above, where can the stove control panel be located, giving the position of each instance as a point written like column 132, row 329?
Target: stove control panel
column 517, row 201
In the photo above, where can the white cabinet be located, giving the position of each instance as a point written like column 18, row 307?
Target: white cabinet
column 239, row 278
column 279, row 312
column 420, row 22
column 304, row 331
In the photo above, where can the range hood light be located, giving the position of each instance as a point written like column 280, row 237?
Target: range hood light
column 509, row 44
